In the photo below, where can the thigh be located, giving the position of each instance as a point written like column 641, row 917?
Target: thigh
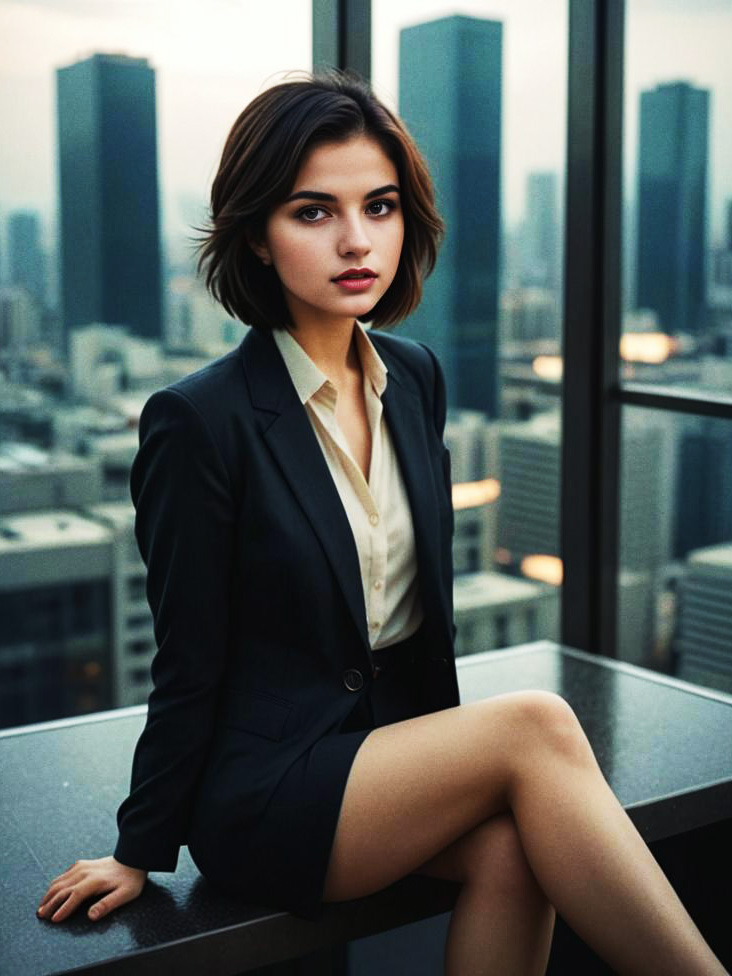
column 416, row 786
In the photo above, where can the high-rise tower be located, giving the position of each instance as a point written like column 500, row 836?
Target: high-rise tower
column 672, row 205
column 110, row 236
column 450, row 97
column 26, row 255
column 542, row 258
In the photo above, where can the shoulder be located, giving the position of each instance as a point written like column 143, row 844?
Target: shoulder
column 414, row 365
column 406, row 358
column 202, row 398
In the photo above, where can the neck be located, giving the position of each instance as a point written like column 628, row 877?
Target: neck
column 333, row 351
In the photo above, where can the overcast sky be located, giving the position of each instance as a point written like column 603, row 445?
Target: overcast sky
column 212, row 56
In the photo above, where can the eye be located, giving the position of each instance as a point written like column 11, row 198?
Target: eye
column 311, row 214
column 380, row 208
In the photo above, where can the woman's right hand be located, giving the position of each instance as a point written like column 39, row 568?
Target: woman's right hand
column 105, row 875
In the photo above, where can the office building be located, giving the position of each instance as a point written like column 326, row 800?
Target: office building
column 109, row 219
column 473, row 444
column 26, row 255
column 55, row 660
column 494, row 611
column 542, row 255
column 105, row 360
column 703, row 640
column 703, row 512
column 32, row 478
column 20, row 322
column 132, row 637
column 672, row 205
column 450, row 98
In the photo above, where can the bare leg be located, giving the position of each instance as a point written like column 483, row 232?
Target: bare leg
column 502, row 921
column 415, row 787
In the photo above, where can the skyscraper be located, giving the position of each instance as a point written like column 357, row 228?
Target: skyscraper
column 450, row 97
column 672, row 205
column 26, row 256
column 542, row 259
column 110, row 237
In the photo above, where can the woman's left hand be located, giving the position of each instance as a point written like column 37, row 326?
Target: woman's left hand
column 102, row 876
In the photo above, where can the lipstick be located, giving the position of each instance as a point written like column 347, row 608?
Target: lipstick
column 356, row 279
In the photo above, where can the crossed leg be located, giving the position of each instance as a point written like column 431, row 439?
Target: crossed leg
column 506, row 796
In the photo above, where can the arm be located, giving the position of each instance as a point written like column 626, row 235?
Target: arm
column 184, row 527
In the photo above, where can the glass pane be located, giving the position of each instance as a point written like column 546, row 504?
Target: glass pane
column 675, row 585
column 484, row 94
column 124, row 104
column 677, row 252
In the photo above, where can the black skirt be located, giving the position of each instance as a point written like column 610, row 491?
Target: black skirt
column 294, row 838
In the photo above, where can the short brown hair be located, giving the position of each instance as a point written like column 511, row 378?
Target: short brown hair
column 259, row 165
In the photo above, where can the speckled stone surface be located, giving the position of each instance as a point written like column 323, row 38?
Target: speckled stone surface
column 665, row 748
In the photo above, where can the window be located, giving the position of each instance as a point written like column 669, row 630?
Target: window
column 484, row 94
column 101, row 307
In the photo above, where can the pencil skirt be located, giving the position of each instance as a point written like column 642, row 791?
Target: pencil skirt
column 295, row 836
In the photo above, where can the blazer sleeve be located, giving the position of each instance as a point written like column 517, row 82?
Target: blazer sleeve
column 184, row 529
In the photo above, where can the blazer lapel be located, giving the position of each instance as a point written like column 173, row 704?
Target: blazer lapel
column 406, row 420
column 287, row 431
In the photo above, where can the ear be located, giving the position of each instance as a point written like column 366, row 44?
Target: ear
column 261, row 250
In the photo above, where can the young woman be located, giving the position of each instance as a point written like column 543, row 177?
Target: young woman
column 304, row 735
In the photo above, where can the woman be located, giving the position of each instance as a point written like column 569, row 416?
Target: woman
column 304, row 735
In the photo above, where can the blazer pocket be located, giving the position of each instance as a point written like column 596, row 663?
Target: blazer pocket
column 258, row 712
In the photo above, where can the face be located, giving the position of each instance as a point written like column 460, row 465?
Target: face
column 343, row 217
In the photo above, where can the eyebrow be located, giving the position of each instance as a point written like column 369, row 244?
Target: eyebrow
column 329, row 198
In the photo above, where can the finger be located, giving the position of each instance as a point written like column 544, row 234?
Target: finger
column 68, row 907
column 110, row 901
column 61, row 883
column 52, row 903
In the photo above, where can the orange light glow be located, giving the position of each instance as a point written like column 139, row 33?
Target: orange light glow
column 545, row 569
column 647, row 347
column 473, row 494
column 549, row 367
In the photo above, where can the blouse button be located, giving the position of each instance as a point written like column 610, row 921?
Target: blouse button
column 378, row 584
column 353, row 679
column 374, row 518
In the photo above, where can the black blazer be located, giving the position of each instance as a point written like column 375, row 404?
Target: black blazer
column 254, row 584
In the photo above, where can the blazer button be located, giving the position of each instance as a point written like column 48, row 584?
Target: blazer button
column 353, row 679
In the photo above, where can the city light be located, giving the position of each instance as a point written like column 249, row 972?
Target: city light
column 544, row 569
column 549, row 367
column 647, row 347
column 473, row 494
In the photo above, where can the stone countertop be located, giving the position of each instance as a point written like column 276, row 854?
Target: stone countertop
column 665, row 747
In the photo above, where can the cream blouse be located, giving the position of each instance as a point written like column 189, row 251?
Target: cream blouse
column 378, row 510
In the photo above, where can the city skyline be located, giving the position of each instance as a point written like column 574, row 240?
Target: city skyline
column 202, row 77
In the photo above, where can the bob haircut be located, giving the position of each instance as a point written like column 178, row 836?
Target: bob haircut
column 259, row 165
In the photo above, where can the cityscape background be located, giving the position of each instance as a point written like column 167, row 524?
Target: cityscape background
column 114, row 122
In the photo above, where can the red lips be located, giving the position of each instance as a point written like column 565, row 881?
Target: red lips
column 356, row 273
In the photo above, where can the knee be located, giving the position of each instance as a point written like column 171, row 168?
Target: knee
column 548, row 722
column 495, row 860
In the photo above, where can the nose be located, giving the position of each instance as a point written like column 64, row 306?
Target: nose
column 354, row 238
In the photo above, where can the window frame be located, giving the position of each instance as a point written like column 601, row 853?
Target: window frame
column 592, row 393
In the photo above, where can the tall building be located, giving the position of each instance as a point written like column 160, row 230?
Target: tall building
column 672, row 205
column 110, row 236
column 542, row 258
column 450, row 98
column 703, row 639
column 703, row 512
column 26, row 255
